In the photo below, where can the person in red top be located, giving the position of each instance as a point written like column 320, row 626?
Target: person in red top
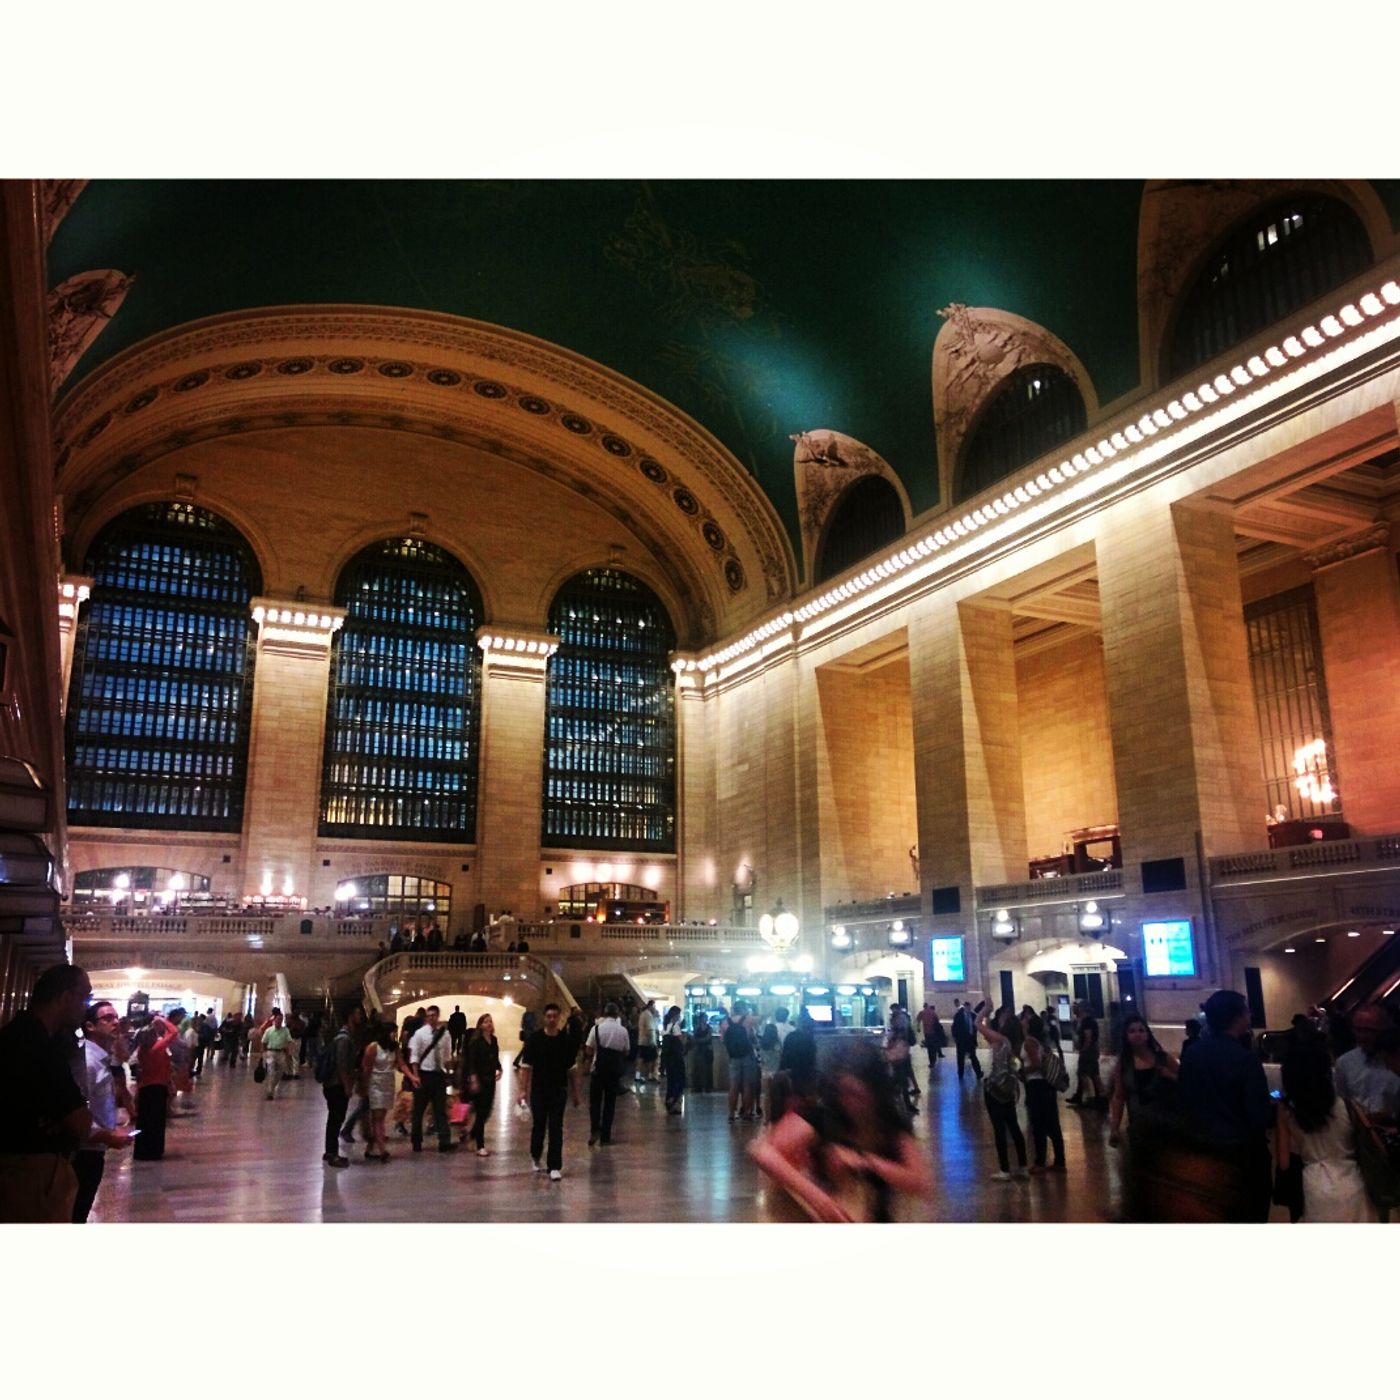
column 153, row 1099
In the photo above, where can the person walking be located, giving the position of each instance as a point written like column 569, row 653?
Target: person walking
column 1045, row 1071
column 605, row 1052
column 337, row 1068
column 1086, row 1042
column 377, row 1066
column 481, row 1072
column 965, row 1036
column 546, row 1060
column 106, row 1093
column 429, row 1056
column 155, row 1075
column 273, row 1046
column 743, row 1064
column 931, row 1028
column 673, row 1059
column 646, row 1044
column 1144, row 1087
column 1001, row 1089
column 702, row 1052
column 457, row 1029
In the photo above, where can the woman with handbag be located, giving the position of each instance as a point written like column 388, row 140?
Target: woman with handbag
column 1045, row 1077
column 1001, row 1088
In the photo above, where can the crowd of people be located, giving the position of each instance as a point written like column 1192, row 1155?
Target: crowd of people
column 1201, row 1133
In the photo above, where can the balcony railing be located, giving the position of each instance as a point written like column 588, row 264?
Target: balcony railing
column 1060, row 889
column 558, row 937
column 903, row 906
column 211, row 928
column 1316, row 858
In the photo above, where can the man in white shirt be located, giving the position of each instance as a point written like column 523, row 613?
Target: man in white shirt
column 646, row 1043
column 1362, row 1075
column 605, row 1050
column 429, row 1060
column 106, row 1092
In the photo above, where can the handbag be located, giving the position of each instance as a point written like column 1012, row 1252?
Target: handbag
column 260, row 1071
column 1053, row 1068
column 1288, row 1187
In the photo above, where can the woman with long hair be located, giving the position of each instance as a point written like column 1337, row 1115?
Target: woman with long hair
column 377, row 1068
column 481, row 1068
column 1001, row 1088
column 1315, row 1125
column 673, row 1059
column 1144, row 1083
column 847, row 1155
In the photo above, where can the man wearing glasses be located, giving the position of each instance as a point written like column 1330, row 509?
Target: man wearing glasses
column 105, row 1086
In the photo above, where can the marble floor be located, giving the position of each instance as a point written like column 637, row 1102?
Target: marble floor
column 242, row 1158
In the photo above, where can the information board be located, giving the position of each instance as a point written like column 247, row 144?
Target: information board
column 1169, row 950
column 946, row 956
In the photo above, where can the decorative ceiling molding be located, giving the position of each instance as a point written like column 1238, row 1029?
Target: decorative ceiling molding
column 824, row 464
column 977, row 347
column 1183, row 220
column 56, row 198
column 456, row 379
column 1368, row 541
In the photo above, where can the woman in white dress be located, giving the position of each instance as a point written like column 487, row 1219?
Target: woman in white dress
column 1315, row 1125
column 377, row 1072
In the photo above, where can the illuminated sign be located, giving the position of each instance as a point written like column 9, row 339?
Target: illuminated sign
column 1169, row 949
column 946, row 955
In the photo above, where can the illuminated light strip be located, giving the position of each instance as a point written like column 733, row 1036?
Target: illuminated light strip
column 303, row 621
column 543, row 647
column 1050, row 491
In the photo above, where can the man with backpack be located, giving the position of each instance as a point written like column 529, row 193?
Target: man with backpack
column 605, row 1052
column 429, row 1059
column 336, row 1072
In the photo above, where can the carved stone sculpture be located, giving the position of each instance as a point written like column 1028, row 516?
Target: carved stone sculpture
column 78, row 310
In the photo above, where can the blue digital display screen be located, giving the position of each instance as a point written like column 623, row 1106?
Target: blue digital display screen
column 946, row 958
column 1169, row 950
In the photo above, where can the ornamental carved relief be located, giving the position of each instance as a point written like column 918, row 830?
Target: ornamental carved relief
column 56, row 198
column 824, row 464
column 1183, row 220
column 977, row 348
column 79, row 310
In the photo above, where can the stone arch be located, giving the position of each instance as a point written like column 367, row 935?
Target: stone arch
column 1183, row 221
column 977, row 348
column 672, row 485
column 825, row 465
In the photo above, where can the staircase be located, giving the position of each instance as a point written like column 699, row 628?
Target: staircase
column 604, row 987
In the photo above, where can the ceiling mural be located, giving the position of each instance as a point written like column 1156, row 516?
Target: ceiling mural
column 762, row 309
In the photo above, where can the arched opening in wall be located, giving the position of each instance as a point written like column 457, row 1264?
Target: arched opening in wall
column 129, row 889
column 403, row 716
column 143, row 992
column 610, row 718
column 1053, row 975
column 612, row 903
column 867, row 517
column 396, row 897
column 1279, row 259
column 1029, row 413
column 161, row 693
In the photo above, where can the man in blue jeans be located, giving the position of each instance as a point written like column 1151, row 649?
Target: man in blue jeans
column 340, row 1086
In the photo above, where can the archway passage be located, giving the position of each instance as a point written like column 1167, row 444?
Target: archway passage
column 866, row 518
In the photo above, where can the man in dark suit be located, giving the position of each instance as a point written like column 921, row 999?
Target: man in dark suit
column 965, row 1036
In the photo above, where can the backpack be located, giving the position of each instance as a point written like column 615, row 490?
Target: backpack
column 1001, row 1082
column 326, row 1072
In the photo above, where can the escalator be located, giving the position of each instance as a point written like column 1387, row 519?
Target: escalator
column 1377, row 979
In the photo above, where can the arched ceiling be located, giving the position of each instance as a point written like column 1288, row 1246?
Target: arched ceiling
column 759, row 308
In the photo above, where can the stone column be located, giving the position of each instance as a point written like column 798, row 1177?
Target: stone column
column 73, row 591
column 967, row 760
column 510, row 791
column 700, row 894
column 1357, row 587
column 1181, row 703
column 282, row 803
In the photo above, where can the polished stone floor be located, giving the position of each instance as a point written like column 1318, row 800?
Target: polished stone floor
column 241, row 1158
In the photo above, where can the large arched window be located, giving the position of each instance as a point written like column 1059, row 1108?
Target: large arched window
column 1281, row 258
column 867, row 517
column 404, row 709
column 610, row 748
column 163, row 674
column 1031, row 412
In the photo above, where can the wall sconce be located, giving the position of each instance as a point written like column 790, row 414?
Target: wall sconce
column 900, row 936
column 1005, row 926
column 1092, row 919
column 841, row 940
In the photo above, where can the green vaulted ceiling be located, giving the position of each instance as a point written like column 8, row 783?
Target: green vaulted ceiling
column 761, row 308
